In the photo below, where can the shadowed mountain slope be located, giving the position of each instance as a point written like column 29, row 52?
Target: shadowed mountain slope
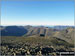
column 13, row 31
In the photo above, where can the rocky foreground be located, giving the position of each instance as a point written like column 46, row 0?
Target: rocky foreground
column 33, row 46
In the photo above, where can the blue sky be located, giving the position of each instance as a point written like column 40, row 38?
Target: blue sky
column 37, row 13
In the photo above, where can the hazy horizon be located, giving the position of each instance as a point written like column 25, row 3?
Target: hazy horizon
column 35, row 25
column 37, row 13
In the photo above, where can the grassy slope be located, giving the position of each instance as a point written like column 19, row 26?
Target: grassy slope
column 35, row 41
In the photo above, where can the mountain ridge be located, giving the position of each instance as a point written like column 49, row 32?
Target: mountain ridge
column 41, row 31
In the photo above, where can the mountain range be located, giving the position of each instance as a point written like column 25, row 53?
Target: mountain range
column 62, row 32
